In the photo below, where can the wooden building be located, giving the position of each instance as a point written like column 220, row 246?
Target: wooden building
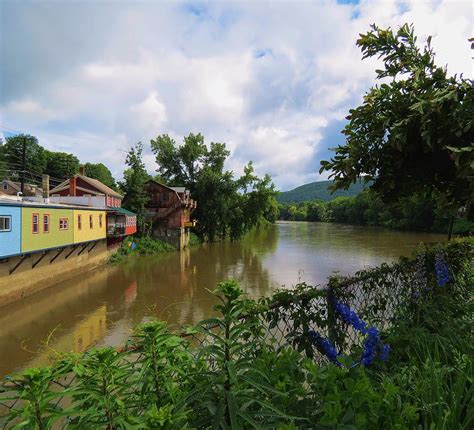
column 169, row 211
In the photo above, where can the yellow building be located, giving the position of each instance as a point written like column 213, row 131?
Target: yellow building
column 46, row 227
column 89, row 225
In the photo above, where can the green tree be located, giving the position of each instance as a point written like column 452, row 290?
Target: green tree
column 412, row 133
column 226, row 206
column 100, row 172
column 61, row 165
column 3, row 164
column 35, row 157
column 133, row 184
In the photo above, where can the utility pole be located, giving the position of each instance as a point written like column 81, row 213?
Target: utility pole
column 23, row 166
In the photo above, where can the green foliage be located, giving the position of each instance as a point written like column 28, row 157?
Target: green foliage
column 194, row 240
column 416, row 212
column 134, row 179
column 318, row 191
column 36, row 157
column 414, row 132
column 38, row 161
column 226, row 206
column 141, row 246
column 229, row 372
column 61, row 165
column 100, row 172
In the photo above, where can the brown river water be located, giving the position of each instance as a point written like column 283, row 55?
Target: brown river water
column 101, row 307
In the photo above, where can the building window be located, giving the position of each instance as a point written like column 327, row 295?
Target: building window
column 63, row 223
column 91, row 221
column 100, row 220
column 165, row 196
column 35, row 223
column 5, row 186
column 5, row 223
column 46, row 223
column 79, row 222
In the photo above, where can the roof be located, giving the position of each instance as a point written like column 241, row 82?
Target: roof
column 174, row 189
column 26, row 203
column 178, row 189
column 122, row 211
column 93, row 182
column 14, row 185
column 17, row 186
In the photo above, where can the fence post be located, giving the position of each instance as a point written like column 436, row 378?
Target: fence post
column 330, row 300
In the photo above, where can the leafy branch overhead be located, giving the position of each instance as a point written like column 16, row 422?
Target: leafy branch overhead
column 413, row 132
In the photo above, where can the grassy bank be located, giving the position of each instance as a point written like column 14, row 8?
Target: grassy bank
column 139, row 246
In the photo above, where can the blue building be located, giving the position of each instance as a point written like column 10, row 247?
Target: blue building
column 10, row 230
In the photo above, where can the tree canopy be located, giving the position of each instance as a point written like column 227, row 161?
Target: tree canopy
column 61, row 164
column 226, row 206
column 36, row 157
column 100, row 172
column 135, row 177
column 414, row 132
column 38, row 161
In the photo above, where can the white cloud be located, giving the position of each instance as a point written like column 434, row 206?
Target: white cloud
column 267, row 78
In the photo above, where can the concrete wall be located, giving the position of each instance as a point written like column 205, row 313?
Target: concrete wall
column 26, row 281
column 10, row 241
column 177, row 237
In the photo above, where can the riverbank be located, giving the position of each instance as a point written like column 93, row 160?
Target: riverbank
column 367, row 209
column 135, row 246
column 415, row 372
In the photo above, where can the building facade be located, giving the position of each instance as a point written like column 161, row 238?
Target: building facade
column 169, row 211
column 10, row 230
column 29, row 228
column 83, row 186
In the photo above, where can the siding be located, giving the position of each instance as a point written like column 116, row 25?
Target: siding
column 86, row 234
column 41, row 240
column 10, row 242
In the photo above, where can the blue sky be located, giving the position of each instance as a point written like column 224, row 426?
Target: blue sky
column 274, row 80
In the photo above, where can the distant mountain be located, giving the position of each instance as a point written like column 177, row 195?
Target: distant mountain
column 317, row 191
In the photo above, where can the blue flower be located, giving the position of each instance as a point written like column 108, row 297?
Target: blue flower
column 441, row 270
column 328, row 348
column 385, row 352
column 372, row 343
column 350, row 317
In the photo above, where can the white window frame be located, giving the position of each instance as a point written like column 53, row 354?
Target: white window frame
column 63, row 224
column 9, row 218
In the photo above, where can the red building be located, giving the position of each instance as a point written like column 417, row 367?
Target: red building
column 80, row 189
column 169, row 210
column 81, row 186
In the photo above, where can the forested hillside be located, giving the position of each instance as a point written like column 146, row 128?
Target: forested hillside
column 317, row 191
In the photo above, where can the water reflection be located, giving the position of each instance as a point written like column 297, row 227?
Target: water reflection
column 100, row 308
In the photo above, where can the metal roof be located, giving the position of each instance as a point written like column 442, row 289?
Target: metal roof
column 122, row 211
column 178, row 189
column 25, row 203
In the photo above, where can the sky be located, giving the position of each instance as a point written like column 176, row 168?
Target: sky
column 274, row 80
